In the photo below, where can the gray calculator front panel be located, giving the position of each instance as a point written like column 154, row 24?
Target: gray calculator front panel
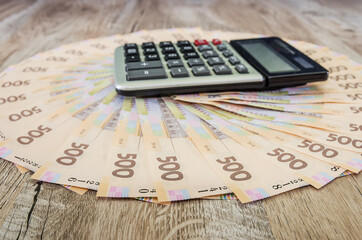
column 123, row 85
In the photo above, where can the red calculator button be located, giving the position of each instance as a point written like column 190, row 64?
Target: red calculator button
column 216, row 41
column 199, row 42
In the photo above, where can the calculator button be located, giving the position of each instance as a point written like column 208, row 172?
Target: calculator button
column 234, row 60
column 179, row 72
column 195, row 62
column 183, row 43
column 143, row 65
column 130, row 45
column 215, row 61
column 204, row 48
column 222, row 69
column 169, row 56
column 221, row 47
column 166, row 44
column 185, row 49
column 149, row 50
column 133, row 58
column 131, row 51
column 209, row 53
column 216, row 41
column 152, row 57
column 201, row 71
column 190, row 55
column 174, row 63
column 148, row 45
column 146, row 74
column 241, row 68
column 200, row 42
column 227, row 53
column 168, row 50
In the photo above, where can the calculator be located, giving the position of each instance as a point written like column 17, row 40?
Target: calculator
column 165, row 68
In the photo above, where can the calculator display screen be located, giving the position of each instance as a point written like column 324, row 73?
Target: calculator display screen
column 268, row 57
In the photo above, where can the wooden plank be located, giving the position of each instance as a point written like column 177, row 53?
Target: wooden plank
column 43, row 210
column 333, row 212
column 29, row 209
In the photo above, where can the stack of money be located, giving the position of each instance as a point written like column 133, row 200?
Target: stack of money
column 61, row 118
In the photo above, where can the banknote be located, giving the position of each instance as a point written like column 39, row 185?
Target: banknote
column 61, row 118
column 126, row 172
column 173, row 174
column 231, row 161
column 343, row 141
column 305, row 167
column 76, row 161
column 335, row 123
column 346, row 159
column 334, row 109
column 353, row 98
column 52, row 129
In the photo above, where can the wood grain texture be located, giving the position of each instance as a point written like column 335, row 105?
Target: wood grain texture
column 34, row 210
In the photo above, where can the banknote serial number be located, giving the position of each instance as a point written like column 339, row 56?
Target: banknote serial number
column 25, row 160
column 146, row 190
column 280, row 186
column 213, row 189
column 74, row 179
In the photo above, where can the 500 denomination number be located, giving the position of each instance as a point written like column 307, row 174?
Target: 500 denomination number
column 231, row 165
column 25, row 113
column 282, row 156
column 317, row 147
column 171, row 167
column 72, row 154
column 16, row 83
column 345, row 140
column 12, row 99
column 39, row 132
column 125, row 164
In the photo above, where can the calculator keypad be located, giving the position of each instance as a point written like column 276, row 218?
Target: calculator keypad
column 152, row 57
column 174, row 63
column 201, row 71
column 146, row 74
column 178, row 60
column 215, row 61
column 179, row 72
column 144, row 65
column 222, row 69
column 195, row 62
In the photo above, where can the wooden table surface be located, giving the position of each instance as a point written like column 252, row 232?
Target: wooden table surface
column 36, row 210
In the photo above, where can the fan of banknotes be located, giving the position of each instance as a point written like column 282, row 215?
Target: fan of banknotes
column 62, row 119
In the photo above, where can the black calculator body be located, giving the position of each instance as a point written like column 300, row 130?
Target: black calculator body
column 166, row 68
